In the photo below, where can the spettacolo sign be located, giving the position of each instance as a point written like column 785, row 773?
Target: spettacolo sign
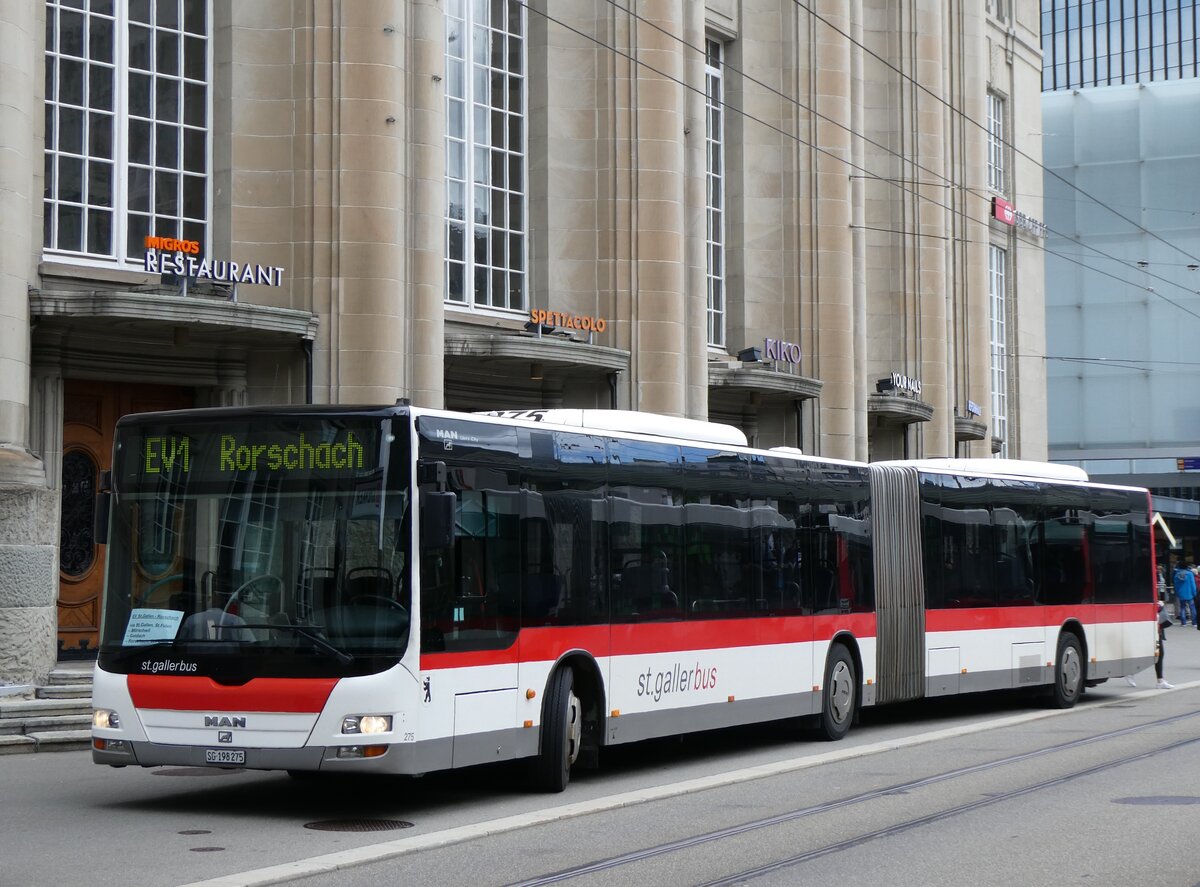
column 584, row 322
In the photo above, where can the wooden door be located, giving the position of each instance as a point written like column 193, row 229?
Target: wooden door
column 90, row 413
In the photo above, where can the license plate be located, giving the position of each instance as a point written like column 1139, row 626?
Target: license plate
column 224, row 756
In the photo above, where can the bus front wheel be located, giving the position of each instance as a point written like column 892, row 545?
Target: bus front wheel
column 1068, row 672
column 562, row 730
column 839, row 696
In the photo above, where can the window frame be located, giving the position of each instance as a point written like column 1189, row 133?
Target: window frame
column 996, row 149
column 117, row 256
column 715, row 150
column 463, row 262
column 998, row 343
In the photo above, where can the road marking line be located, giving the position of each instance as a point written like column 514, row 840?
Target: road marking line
column 343, row 859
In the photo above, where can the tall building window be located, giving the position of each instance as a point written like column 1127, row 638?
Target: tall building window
column 485, row 154
column 995, row 142
column 127, row 126
column 715, row 198
column 997, row 282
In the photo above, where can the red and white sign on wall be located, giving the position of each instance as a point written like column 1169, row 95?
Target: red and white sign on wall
column 1004, row 211
column 1010, row 215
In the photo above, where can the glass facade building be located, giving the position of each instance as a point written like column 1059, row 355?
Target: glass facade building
column 1108, row 42
column 1122, row 293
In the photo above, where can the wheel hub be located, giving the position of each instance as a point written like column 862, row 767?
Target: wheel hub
column 841, row 692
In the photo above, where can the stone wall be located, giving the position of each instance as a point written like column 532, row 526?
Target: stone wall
column 28, row 579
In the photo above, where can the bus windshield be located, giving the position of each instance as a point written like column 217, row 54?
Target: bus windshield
column 262, row 546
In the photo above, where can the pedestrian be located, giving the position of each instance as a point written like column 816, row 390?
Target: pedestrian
column 1185, row 593
column 1164, row 619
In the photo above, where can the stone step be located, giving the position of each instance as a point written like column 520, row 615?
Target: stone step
column 17, row 745
column 66, row 691
column 60, row 676
column 44, row 724
column 61, row 740
column 26, row 708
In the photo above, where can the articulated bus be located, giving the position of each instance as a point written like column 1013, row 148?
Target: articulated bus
column 402, row 590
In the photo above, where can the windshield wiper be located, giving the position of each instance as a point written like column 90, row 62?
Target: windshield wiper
column 308, row 632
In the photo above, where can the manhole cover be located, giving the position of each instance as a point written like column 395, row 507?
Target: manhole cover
column 206, row 849
column 358, row 825
column 196, row 831
column 1160, row 800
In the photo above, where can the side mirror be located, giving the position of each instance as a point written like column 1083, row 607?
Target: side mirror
column 103, row 506
column 100, row 525
column 437, row 519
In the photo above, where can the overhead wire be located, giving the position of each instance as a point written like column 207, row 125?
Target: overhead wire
column 1011, row 145
column 945, row 181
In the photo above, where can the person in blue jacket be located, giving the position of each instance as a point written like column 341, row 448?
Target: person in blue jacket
column 1185, row 593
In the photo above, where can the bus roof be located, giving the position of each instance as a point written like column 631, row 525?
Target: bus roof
column 1006, row 467
column 632, row 421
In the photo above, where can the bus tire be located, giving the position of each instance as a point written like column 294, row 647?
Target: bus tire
column 1068, row 672
column 839, row 695
column 562, row 730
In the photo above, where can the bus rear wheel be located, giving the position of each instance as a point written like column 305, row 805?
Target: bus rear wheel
column 1068, row 672
column 839, row 696
column 562, row 732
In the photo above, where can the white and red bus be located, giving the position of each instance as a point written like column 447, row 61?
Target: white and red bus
column 401, row 590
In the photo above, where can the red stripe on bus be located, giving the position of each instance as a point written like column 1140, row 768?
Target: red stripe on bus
column 300, row 695
column 974, row 619
column 673, row 637
column 547, row 644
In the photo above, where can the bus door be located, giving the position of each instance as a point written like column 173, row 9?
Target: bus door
column 469, row 602
column 486, row 617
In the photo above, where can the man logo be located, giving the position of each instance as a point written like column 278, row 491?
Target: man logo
column 225, row 736
column 223, row 721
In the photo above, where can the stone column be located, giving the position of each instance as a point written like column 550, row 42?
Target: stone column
column 46, row 411
column 426, row 201
column 833, row 259
column 370, row 149
column 28, row 510
column 348, row 175
column 975, row 370
column 660, row 207
column 230, row 390
column 20, row 79
column 930, row 351
column 695, row 317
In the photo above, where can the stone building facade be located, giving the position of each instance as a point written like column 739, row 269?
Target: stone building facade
column 774, row 214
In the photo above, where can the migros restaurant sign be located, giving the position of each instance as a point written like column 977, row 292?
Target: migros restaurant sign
column 167, row 255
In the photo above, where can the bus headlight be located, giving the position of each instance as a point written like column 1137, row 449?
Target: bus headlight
column 106, row 719
column 367, row 724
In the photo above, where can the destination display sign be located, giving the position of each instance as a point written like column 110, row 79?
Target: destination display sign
column 153, row 454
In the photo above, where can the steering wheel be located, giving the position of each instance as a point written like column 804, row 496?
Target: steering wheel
column 378, row 599
column 235, row 598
